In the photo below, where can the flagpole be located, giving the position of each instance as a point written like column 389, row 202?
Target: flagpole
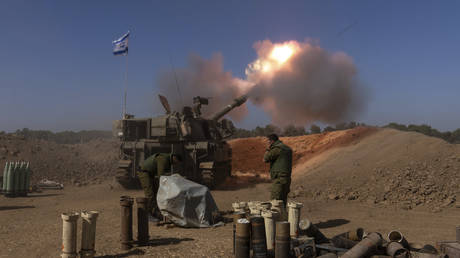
column 121, row 48
column 126, row 85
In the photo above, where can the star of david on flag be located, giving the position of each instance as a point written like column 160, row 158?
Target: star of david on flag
column 120, row 46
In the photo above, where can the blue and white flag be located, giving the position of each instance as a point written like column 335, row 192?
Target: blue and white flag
column 120, row 46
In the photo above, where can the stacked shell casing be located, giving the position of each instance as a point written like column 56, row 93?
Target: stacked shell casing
column 16, row 179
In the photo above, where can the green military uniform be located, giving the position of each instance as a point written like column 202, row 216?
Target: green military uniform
column 149, row 176
column 280, row 157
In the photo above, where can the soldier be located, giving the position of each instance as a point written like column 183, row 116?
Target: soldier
column 279, row 156
column 149, row 176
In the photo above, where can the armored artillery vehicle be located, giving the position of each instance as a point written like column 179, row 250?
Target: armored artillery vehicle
column 206, row 156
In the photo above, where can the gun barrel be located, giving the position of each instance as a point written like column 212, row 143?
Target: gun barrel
column 236, row 103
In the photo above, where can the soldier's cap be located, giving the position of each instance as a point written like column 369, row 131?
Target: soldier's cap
column 272, row 137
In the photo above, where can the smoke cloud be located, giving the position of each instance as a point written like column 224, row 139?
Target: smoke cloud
column 295, row 83
column 312, row 85
column 205, row 78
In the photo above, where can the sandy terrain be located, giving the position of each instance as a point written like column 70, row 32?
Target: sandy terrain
column 32, row 227
column 384, row 167
column 79, row 164
column 376, row 179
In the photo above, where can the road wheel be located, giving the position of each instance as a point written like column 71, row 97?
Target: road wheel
column 208, row 179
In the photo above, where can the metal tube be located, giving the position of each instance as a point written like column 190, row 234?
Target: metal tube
column 415, row 246
column 22, row 179
column 239, row 206
column 270, row 218
column 354, row 235
column 282, row 239
column 255, row 211
column 13, row 175
column 234, row 236
column 278, row 205
column 142, row 220
column 366, row 247
column 264, row 205
column 254, row 204
column 342, row 242
column 446, row 248
column 126, row 236
column 236, row 217
column 243, row 228
column 303, row 247
column 17, row 174
column 251, row 206
column 88, row 234
column 259, row 244
column 244, row 206
column 294, row 217
column 5, row 178
column 236, row 102
column 395, row 249
column 308, row 229
column 10, row 183
column 69, row 234
column 27, row 180
column 255, row 207
column 396, row 236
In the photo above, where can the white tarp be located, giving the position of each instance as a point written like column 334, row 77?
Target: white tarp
column 185, row 203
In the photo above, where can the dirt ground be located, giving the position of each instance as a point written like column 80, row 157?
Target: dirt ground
column 77, row 164
column 32, row 227
column 247, row 152
column 377, row 179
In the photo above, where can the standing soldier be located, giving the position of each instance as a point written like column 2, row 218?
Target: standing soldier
column 149, row 176
column 280, row 157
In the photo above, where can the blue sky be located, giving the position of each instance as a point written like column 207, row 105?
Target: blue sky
column 57, row 70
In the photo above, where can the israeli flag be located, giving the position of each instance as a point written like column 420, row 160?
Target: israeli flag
column 120, row 46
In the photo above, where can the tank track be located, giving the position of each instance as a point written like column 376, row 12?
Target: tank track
column 208, row 178
column 124, row 178
column 213, row 178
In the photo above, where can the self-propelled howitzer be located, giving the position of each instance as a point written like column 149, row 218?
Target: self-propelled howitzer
column 200, row 141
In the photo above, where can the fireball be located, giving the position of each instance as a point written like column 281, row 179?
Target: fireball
column 272, row 57
column 281, row 53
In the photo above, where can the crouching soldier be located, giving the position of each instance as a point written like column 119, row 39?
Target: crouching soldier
column 149, row 176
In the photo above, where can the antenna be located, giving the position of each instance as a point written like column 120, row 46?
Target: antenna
column 347, row 28
column 175, row 77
